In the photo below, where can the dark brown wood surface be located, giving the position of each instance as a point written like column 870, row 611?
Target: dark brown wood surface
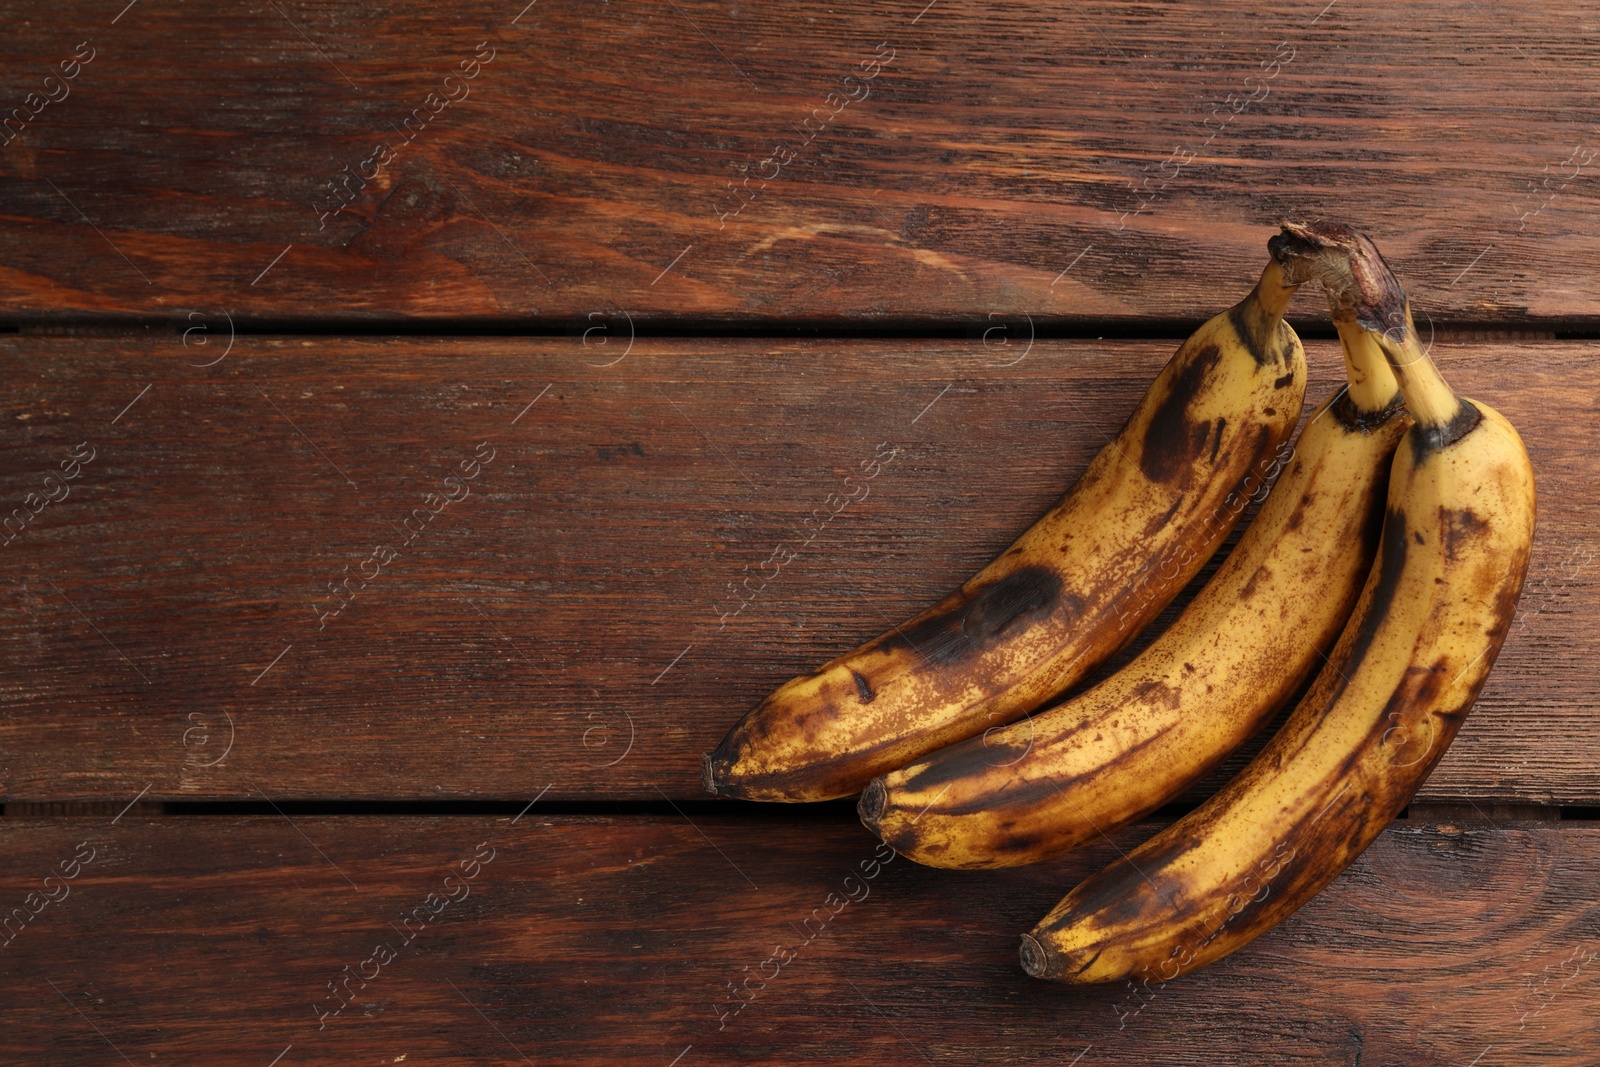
column 248, row 556
column 597, row 940
column 571, row 624
column 1071, row 162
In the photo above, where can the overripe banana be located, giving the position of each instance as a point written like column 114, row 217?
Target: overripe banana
column 1425, row 632
column 1236, row 655
column 1078, row 585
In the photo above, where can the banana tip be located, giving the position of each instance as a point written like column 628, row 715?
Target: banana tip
column 708, row 774
column 874, row 799
column 1035, row 960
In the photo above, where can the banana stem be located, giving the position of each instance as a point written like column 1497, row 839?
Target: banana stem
column 1259, row 316
column 1373, row 386
column 1428, row 396
column 1273, row 291
column 1362, row 288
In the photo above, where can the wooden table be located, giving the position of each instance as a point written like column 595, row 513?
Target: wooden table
column 615, row 294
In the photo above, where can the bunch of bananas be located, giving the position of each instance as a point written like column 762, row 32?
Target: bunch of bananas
column 1389, row 553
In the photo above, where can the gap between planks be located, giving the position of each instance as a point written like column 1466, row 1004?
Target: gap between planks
column 1469, row 812
column 1042, row 328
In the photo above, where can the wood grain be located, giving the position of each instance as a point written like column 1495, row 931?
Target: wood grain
column 169, row 623
column 1074, row 162
column 597, row 940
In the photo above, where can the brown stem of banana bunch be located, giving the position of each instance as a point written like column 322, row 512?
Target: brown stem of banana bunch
column 1272, row 294
column 1360, row 286
column 1433, row 403
column 1373, row 387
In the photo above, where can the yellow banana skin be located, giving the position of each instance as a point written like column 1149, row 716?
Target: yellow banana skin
column 1078, row 585
column 1235, row 656
column 1408, row 666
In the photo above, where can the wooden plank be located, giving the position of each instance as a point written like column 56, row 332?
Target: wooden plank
column 615, row 941
column 572, row 622
column 1074, row 162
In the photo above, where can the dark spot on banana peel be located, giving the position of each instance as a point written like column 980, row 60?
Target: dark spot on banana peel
column 1029, row 794
column 1287, row 379
column 1372, row 523
column 1288, row 340
column 1298, row 516
column 1216, row 442
column 1160, row 522
column 1391, row 567
column 978, row 620
column 1121, row 894
column 1248, row 335
column 1249, row 589
column 1461, row 528
column 1021, row 844
column 1419, row 688
column 863, row 690
column 904, row 837
column 973, row 756
column 1426, row 440
column 1349, row 416
column 1152, row 692
column 1172, row 440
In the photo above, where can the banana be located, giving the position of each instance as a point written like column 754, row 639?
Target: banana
column 1236, row 655
column 1431, row 618
column 1078, row 585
